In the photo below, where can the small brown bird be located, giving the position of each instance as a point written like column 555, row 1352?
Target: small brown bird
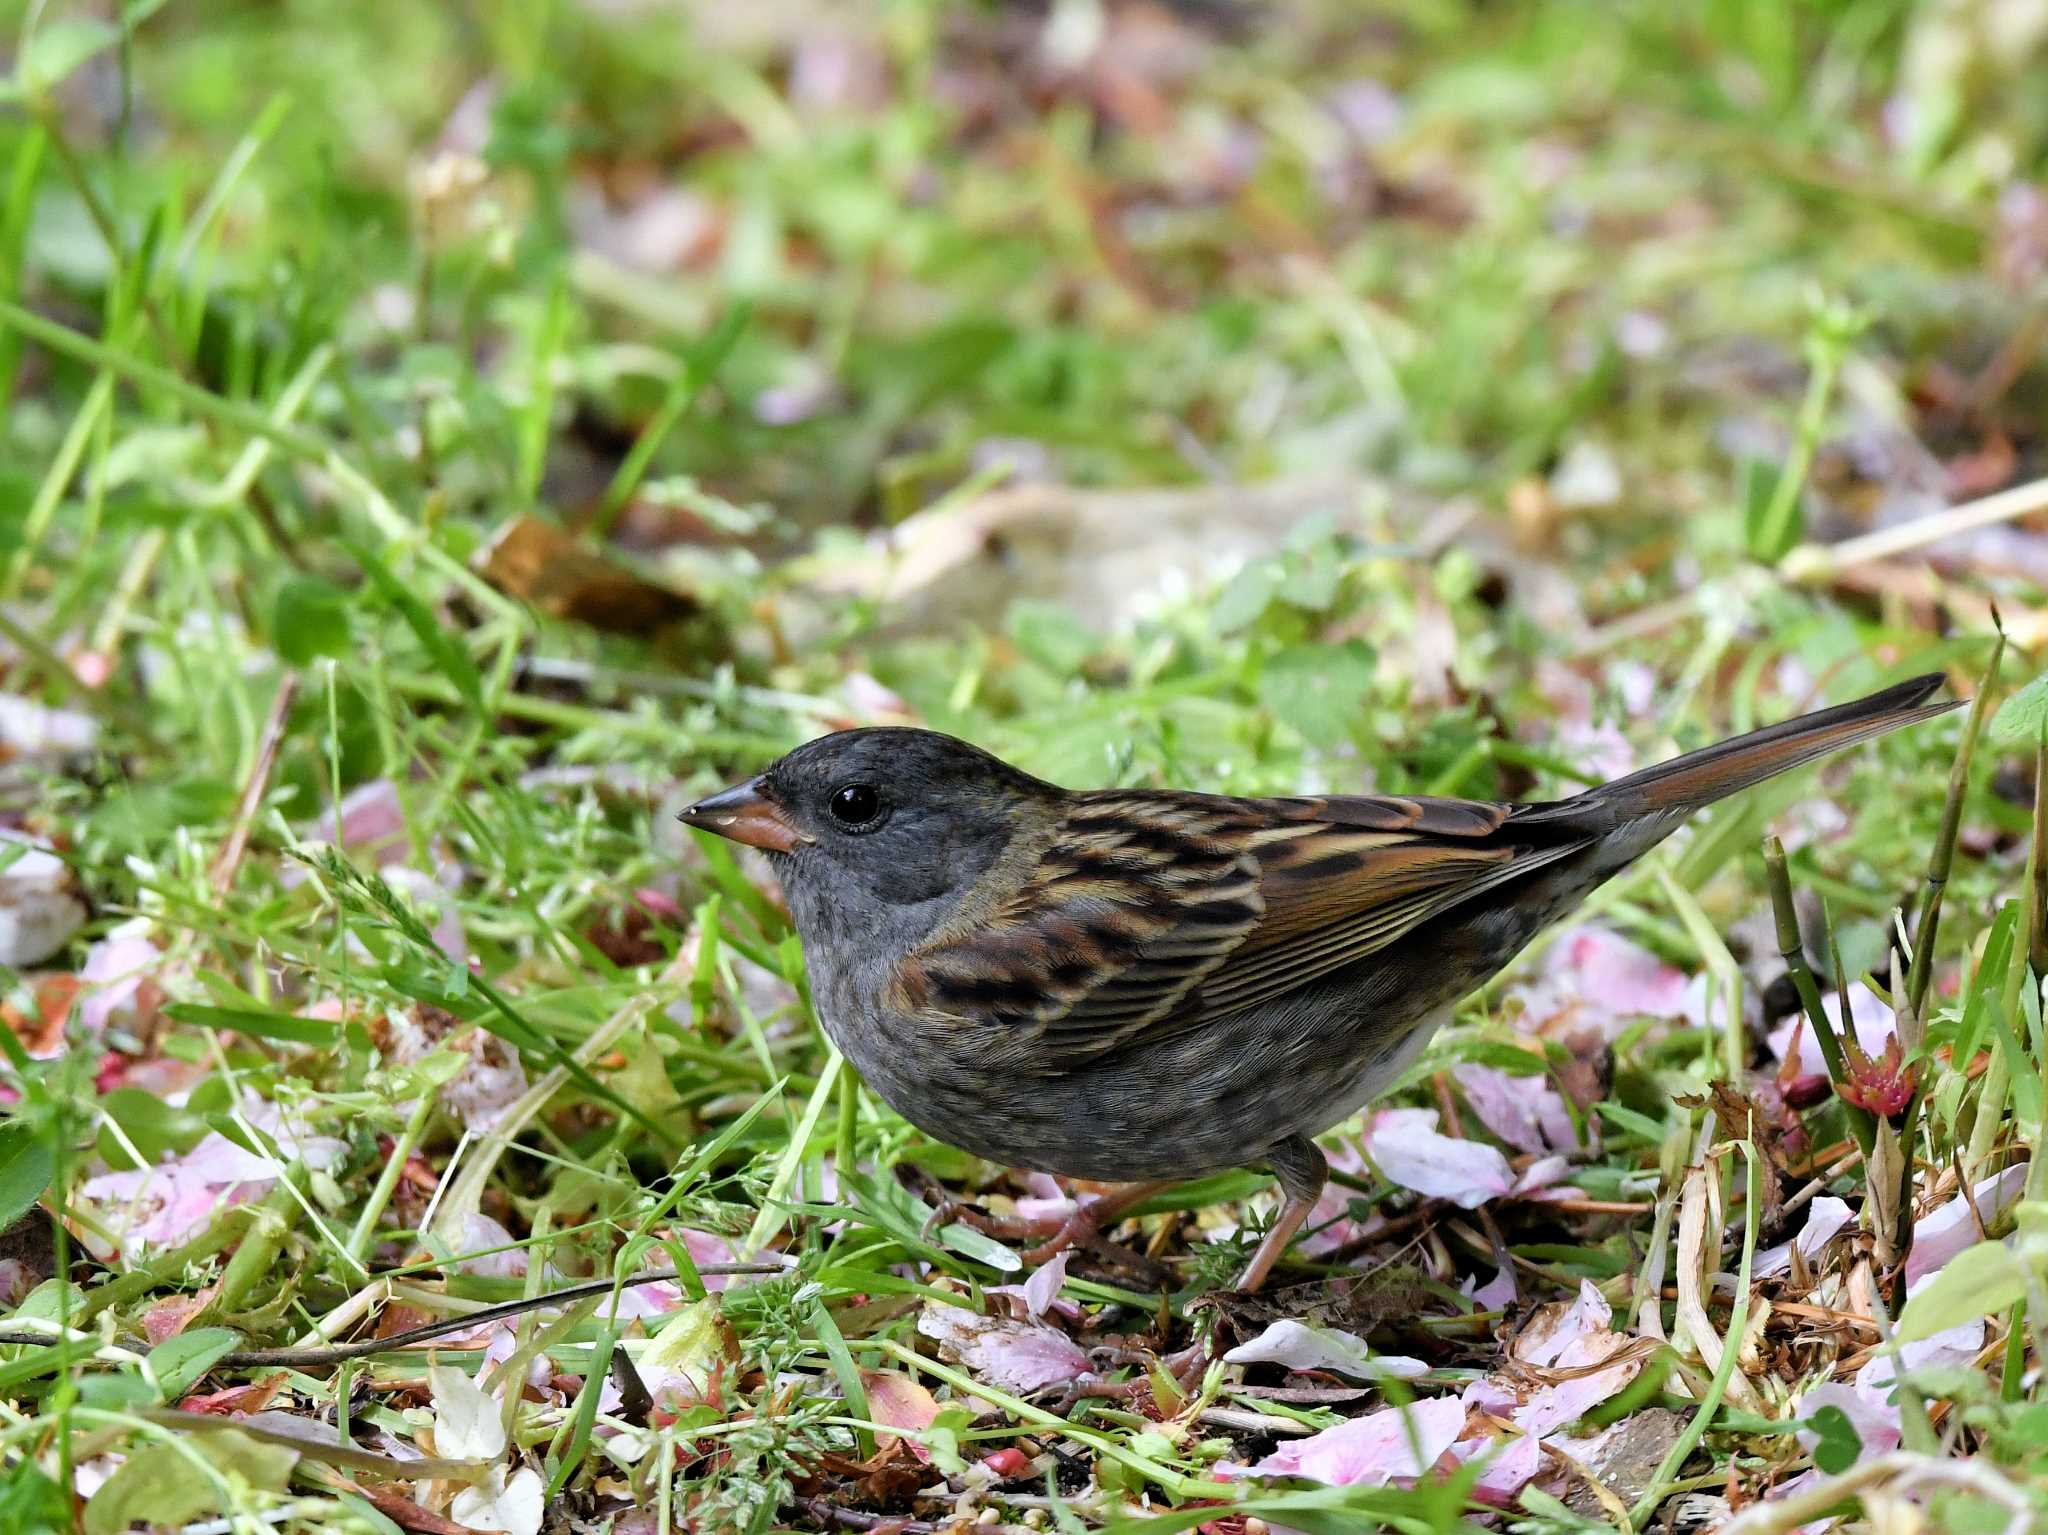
column 1139, row 985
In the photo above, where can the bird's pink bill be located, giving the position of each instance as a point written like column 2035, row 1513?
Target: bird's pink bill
column 745, row 814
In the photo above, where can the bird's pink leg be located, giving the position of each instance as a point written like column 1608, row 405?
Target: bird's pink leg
column 1302, row 1171
column 1285, row 1224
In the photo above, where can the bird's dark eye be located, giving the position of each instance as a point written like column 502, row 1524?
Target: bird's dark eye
column 855, row 805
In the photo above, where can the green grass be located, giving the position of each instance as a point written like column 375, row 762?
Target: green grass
column 302, row 308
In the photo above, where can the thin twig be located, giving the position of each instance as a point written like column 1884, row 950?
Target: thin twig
column 229, row 859
column 1812, row 564
column 337, row 1353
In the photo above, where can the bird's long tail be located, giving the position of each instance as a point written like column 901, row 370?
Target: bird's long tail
column 1687, row 783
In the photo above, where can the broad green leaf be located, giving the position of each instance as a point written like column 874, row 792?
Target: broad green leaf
column 30, row 1503
column 160, row 1485
column 1052, row 636
column 311, row 620
column 179, row 1362
column 245, row 1020
column 1321, row 690
column 56, row 49
column 1839, row 1442
column 147, row 1122
column 2022, row 718
column 1984, row 1278
column 27, row 1164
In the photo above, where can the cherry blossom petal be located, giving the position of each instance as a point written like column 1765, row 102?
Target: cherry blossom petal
column 1405, row 1146
column 115, row 968
column 1047, row 1201
column 1298, row 1346
column 479, row 1235
column 508, row 1504
column 1513, row 1465
column 38, row 912
column 1867, row 1011
column 1593, row 977
column 1043, row 1287
column 468, row 1422
column 1940, row 1236
column 899, row 1401
column 368, row 821
column 1018, row 1356
column 30, row 729
column 1497, row 1292
column 1825, row 1217
column 1395, row 1444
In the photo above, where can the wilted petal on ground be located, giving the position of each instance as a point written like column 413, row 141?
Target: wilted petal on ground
column 1566, row 1338
column 1599, row 751
column 1405, row 1146
column 1516, row 1461
column 491, row 1083
column 468, row 1424
column 1526, row 1112
column 1041, row 1292
column 708, row 1247
column 1298, row 1346
column 38, row 912
column 1394, row 1444
column 1539, row 1179
column 657, row 1298
column 368, row 821
column 115, row 968
column 1867, row 1010
column 1047, row 1201
column 1825, row 1217
column 1877, row 1381
column 1330, row 1224
column 1043, row 1287
column 479, row 1235
column 1594, row 977
column 899, row 1401
column 162, row 1205
column 1559, row 1328
column 1497, row 1292
column 1018, row 1356
column 510, row 1504
column 30, row 729
column 1947, row 1231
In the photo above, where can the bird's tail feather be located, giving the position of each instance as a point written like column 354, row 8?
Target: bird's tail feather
column 1687, row 783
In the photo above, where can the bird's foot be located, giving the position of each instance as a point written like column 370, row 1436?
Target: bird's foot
column 1091, row 1218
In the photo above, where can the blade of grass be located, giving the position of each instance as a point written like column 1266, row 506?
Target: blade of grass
column 1738, row 1327
column 1941, row 859
column 700, row 365
column 1793, row 950
column 772, row 1214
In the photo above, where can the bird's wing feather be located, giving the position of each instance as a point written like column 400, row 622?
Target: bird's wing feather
column 1151, row 912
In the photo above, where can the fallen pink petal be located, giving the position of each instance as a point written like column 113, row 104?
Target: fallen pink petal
column 1940, row 1235
column 1825, row 1217
column 1407, row 1148
column 1299, row 1346
column 1017, row 1356
column 1395, row 1444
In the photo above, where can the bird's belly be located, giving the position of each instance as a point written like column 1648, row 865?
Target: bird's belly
column 1200, row 1102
